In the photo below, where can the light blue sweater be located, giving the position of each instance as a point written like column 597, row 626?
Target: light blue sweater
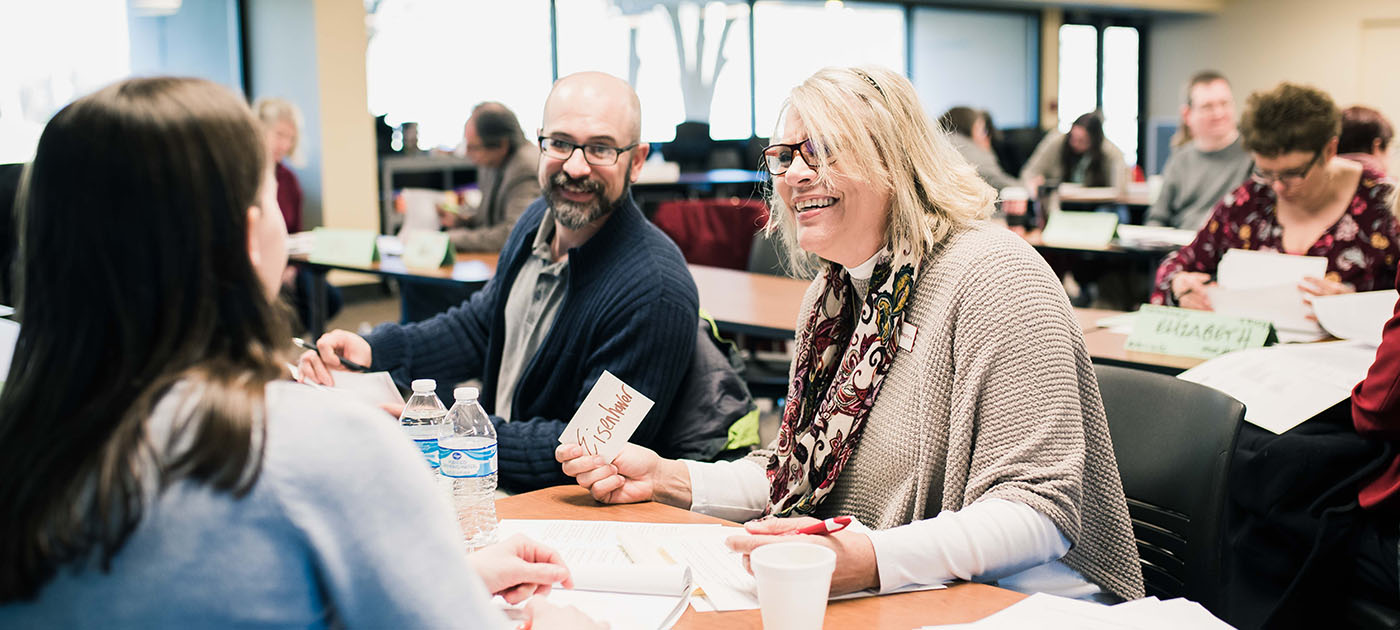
column 345, row 527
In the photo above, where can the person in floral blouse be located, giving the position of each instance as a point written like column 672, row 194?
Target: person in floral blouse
column 1300, row 199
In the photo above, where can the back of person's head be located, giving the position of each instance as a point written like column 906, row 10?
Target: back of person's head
column 873, row 130
column 1289, row 118
column 1364, row 130
column 497, row 126
column 271, row 110
column 960, row 120
column 135, row 275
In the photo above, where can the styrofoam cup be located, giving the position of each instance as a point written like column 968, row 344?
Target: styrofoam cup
column 793, row 581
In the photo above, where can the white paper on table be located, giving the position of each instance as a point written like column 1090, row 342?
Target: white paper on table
column 1251, row 269
column 1358, row 316
column 1281, row 304
column 9, row 336
column 1051, row 612
column 1282, row 386
column 608, row 417
column 375, row 388
column 388, row 245
column 420, row 209
column 300, row 243
column 1121, row 323
column 1154, row 235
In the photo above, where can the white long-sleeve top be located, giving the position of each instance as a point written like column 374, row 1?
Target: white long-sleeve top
column 991, row 540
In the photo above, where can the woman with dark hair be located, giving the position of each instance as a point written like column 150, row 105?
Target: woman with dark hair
column 155, row 468
column 1082, row 156
column 1365, row 137
column 970, row 131
column 1301, row 199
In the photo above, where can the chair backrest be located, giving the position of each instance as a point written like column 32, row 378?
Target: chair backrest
column 713, row 232
column 1173, row 440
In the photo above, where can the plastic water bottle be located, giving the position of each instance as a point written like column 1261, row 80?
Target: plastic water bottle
column 423, row 418
column 467, row 451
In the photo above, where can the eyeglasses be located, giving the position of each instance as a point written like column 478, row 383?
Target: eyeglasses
column 778, row 157
column 1287, row 178
column 595, row 154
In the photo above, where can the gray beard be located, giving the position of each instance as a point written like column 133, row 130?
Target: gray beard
column 574, row 215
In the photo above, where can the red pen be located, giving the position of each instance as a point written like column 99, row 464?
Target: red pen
column 828, row 526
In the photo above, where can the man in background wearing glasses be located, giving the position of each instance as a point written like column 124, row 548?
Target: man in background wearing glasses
column 1212, row 163
column 584, row 284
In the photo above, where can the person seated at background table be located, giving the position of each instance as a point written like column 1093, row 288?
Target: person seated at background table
column 281, row 122
column 1365, row 138
column 1300, row 199
column 941, row 392
column 1082, row 156
column 968, row 133
column 176, row 480
column 584, row 284
column 506, row 163
column 1212, row 163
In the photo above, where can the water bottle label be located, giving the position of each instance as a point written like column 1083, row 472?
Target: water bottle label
column 468, row 462
column 429, row 448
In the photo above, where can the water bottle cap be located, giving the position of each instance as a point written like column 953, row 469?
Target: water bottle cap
column 424, row 385
column 463, row 394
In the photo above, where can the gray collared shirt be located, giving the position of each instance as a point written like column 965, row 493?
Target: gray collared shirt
column 531, row 306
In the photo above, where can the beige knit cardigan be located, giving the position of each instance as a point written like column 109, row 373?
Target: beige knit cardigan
column 996, row 399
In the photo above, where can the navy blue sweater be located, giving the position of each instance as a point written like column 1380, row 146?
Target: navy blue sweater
column 630, row 308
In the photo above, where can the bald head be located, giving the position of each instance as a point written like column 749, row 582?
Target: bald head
column 603, row 96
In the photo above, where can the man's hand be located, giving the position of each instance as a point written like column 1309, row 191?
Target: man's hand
column 317, row 366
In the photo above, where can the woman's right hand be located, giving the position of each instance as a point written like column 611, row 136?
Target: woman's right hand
column 316, row 367
column 547, row 616
column 1189, row 289
column 630, row 478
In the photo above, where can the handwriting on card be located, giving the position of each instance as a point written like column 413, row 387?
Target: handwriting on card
column 607, row 418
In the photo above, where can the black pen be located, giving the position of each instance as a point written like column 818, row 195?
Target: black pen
column 349, row 365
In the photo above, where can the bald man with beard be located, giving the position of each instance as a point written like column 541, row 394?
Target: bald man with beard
column 584, row 284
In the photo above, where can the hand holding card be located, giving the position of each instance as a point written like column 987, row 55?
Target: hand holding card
column 607, row 418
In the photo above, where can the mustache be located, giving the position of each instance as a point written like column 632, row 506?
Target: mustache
column 562, row 179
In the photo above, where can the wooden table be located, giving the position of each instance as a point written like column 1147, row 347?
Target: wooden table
column 1108, row 347
column 959, row 603
column 750, row 303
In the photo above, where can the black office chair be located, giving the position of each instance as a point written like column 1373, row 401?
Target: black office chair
column 1173, row 441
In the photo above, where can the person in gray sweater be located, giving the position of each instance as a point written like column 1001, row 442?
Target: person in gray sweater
column 968, row 132
column 940, row 390
column 157, row 469
column 1212, row 163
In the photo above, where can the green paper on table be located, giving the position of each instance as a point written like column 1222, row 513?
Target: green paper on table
column 427, row 250
column 1191, row 333
column 1080, row 229
column 352, row 248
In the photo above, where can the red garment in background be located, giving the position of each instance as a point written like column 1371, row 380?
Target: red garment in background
column 1375, row 410
column 289, row 197
column 713, row 232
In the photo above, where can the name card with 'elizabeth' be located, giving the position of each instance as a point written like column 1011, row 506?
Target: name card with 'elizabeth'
column 607, row 418
column 350, row 248
column 1192, row 333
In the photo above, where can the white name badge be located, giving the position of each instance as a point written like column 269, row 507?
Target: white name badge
column 907, row 333
column 607, row 418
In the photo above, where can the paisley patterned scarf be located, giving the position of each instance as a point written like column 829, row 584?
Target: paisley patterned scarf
column 839, row 369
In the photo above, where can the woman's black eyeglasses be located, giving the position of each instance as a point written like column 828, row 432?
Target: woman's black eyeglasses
column 778, row 157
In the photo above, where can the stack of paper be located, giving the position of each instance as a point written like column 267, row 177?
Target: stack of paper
column 1149, row 236
column 1264, row 285
column 1049, row 612
column 1282, row 386
column 1356, row 316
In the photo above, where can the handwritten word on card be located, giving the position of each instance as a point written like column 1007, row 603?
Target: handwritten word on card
column 607, row 418
column 1189, row 333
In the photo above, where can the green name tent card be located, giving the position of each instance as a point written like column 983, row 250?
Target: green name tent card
column 1191, row 333
column 349, row 248
column 1080, row 229
column 427, row 250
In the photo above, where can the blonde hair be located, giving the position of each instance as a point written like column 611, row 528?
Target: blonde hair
column 872, row 130
column 270, row 110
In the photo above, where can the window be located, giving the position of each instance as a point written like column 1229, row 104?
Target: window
column 430, row 61
column 1120, row 89
column 983, row 59
column 704, row 78
column 57, row 52
column 793, row 39
column 1107, row 82
column 1079, row 72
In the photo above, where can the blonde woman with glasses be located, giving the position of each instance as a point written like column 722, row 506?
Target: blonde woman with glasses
column 940, row 393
